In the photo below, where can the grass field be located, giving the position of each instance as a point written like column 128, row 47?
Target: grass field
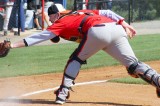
column 52, row 58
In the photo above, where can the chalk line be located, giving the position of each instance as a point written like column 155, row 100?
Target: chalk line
column 52, row 89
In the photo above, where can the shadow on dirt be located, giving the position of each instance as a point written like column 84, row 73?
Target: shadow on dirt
column 101, row 103
column 49, row 101
column 27, row 101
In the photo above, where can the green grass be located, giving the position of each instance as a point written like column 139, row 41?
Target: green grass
column 129, row 80
column 52, row 58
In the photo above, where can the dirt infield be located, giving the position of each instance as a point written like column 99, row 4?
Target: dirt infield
column 98, row 94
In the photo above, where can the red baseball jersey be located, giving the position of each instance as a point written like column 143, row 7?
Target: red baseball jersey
column 67, row 27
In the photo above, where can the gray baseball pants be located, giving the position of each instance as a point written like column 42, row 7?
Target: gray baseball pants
column 112, row 39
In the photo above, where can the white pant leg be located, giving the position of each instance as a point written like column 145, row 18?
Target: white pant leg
column 120, row 49
column 8, row 14
column 112, row 39
column 47, row 5
column 98, row 38
column 29, row 19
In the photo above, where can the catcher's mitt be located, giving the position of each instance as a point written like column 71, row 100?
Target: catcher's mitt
column 4, row 48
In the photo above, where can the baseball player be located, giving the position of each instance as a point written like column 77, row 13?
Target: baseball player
column 94, row 30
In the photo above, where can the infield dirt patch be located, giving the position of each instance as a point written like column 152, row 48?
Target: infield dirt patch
column 100, row 94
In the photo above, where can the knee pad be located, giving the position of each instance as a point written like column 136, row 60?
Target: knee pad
column 132, row 68
column 70, row 73
column 73, row 66
column 79, row 60
column 72, row 69
column 146, row 73
column 75, row 57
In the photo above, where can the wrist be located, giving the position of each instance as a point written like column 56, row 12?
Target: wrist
column 120, row 22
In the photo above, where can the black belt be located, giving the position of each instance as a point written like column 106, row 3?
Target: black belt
column 83, row 21
column 99, row 25
column 81, row 24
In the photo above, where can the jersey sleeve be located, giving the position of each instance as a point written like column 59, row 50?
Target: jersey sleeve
column 110, row 14
column 38, row 38
column 90, row 11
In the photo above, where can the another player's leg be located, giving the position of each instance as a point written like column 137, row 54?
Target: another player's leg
column 7, row 17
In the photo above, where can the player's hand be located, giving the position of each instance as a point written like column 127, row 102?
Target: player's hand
column 131, row 32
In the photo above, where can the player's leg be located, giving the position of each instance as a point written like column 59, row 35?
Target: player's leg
column 88, row 46
column 120, row 49
column 36, row 21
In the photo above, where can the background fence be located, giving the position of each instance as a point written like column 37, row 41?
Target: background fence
column 132, row 10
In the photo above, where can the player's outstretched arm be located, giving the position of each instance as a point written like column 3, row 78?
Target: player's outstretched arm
column 18, row 44
column 34, row 39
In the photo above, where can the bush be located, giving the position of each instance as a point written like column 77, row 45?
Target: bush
column 151, row 14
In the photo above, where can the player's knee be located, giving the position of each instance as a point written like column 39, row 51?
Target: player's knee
column 131, row 69
column 72, row 69
column 75, row 57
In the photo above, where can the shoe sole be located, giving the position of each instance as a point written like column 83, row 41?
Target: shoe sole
column 59, row 102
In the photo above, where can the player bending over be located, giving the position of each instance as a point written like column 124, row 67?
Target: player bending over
column 94, row 30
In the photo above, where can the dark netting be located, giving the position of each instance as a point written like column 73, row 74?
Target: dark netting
column 119, row 6
column 13, row 22
column 145, row 9
column 1, row 23
column 131, row 10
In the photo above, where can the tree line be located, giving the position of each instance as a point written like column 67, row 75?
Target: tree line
column 137, row 9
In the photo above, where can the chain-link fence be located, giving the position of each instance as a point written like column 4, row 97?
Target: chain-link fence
column 145, row 9
column 131, row 10
column 137, row 10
